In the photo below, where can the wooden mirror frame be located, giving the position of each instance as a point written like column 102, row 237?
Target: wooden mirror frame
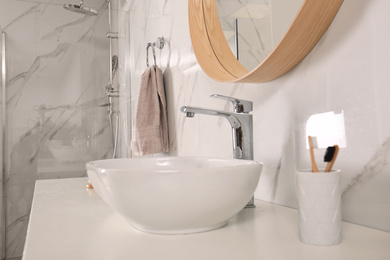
column 218, row 61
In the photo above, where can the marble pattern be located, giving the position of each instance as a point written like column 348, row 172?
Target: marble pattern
column 253, row 30
column 57, row 65
column 347, row 71
column 58, row 70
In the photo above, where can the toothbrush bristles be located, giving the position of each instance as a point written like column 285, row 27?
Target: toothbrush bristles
column 329, row 153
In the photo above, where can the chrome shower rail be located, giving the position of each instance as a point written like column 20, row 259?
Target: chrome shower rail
column 110, row 91
column 3, row 100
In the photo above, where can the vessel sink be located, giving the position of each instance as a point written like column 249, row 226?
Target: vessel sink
column 175, row 195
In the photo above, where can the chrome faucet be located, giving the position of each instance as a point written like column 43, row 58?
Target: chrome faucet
column 242, row 127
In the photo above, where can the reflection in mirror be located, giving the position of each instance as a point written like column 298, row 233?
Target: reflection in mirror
column 261, row 24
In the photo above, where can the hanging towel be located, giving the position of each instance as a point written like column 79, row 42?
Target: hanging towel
column 150, row 125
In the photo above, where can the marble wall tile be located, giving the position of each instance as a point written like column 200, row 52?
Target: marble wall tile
column 57, row 65
column 346, row 71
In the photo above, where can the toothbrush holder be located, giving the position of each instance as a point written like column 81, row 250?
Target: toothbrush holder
column 319, row 207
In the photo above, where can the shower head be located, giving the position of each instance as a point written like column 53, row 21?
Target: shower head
column 81, row 9
column 114, row 67
column 114, row 63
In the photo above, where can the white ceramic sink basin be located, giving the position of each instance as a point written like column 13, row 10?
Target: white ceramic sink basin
column 175, row 195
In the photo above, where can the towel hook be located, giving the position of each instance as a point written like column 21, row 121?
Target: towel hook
column 159, row 43
column 147, row 54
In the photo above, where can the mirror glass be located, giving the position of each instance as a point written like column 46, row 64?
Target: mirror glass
column 261, row 24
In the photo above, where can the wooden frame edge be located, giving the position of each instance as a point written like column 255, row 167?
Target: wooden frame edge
column 218, row 62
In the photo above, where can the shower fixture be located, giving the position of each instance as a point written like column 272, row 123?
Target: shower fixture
column 112, row 114
column 111, row 92
column 112, row 35
column 81, row 9
column 114, row 67
column 114, row 62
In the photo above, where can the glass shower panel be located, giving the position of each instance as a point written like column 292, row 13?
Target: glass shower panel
column 57, row 82
column 1, row 102
column 71, row 127
column 124, row 78
column 2, row 146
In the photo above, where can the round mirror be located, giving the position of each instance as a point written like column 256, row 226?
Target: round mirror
column 216, row 58
column 253, row 28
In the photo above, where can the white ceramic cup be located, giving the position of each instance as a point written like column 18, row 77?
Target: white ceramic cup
column 319, row 206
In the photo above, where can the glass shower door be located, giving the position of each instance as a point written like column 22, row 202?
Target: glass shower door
column 2, row 142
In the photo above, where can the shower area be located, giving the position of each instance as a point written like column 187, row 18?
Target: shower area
column 62, row 79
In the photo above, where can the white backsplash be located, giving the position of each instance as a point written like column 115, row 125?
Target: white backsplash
column 348, row 71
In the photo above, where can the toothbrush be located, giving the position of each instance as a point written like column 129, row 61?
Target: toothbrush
column 313, row 161
column 330, row 157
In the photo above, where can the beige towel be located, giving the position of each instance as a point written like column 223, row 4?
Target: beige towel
column 150, row 125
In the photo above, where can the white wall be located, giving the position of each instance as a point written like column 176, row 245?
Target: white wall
column 347, row 71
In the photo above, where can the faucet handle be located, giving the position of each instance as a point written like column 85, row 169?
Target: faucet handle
column 240, row 105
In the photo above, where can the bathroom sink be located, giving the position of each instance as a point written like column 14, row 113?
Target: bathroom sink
column 175, row 195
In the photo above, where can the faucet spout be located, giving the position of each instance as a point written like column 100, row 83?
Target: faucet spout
column 242, row 129
column 191, row 111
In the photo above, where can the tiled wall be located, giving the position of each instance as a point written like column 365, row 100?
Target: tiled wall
column 348, row 71
column 57, row 65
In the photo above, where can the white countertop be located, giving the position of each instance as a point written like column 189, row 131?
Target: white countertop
column 69, row 222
